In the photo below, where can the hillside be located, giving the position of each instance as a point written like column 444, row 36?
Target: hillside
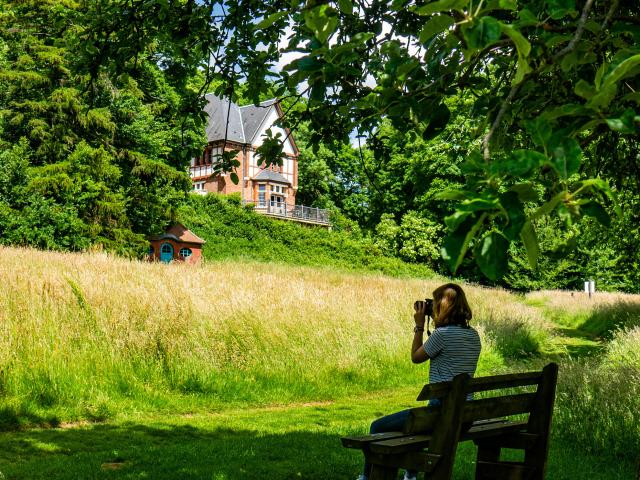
column 233, row 232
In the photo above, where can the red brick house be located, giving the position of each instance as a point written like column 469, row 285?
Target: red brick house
column 177, row 244
column 274, row 188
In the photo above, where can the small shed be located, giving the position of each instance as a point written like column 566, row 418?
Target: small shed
column 177, row 243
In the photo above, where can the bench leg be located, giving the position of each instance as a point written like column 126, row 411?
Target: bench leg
column 378, row 472
column 486, row 453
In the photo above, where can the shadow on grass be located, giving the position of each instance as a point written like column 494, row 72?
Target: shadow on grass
column 175, row 452
column 131, row 451
column 606, row 318
column 578, row 343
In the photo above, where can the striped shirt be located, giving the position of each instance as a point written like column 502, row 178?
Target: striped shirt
column 452, row 350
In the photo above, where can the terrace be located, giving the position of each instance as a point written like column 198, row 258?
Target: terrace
column 296, row 213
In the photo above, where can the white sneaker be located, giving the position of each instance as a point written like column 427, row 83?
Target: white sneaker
column 407, row 477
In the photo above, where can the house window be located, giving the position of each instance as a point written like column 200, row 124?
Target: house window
column 262, row 189
column 198, row 187
column 185, row 252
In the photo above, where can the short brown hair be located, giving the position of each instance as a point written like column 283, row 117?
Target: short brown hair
column 450, row 306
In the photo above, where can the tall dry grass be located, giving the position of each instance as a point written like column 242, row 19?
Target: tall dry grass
column 83, row 335
column 600, row 315
column 598, row 400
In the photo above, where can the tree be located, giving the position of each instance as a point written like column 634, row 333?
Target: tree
column 89, row 157
column 552, row 79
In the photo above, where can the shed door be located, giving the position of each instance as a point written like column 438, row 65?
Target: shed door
column 166, row 252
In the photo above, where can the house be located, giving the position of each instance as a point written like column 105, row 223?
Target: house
column 176, row 244
column 272, row 191
column 244, row 128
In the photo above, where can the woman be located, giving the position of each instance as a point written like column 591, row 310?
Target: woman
column 453, row 348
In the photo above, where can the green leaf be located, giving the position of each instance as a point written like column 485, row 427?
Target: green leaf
column 234, row 178
column 522, row 44
column 567, row 110
column 455, row 220
column 508, row 4
column 491, row 255
column 456, row 244
column 621, row 70
column 530, row 242
column 540, row 131
column 584, row 89
column 451, row 195
column 526, row 18
column 597, row 211
column 478, row 204
column 603, row 186
column 438, row 122
column 626, row 123
column 566, row 155
column 603, row 98
column 441, row 6
column 523, row 69
column 560, row 8
column 599, row 74
column 515, row 211
column 434, row 26
column 520, row 163
column 483, row 32
column 549, row 206
column 322, row 21
column 398, row 5
column 345, row 6
column 523, row 47
column 525, row 191
column 270, row 20
column 500, row 5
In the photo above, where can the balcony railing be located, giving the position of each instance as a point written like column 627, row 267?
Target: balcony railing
column 298, row 213
column 201, row 171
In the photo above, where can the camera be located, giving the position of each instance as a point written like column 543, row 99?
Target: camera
column 429, row 306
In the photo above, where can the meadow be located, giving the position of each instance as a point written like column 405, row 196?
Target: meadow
column 111, row 368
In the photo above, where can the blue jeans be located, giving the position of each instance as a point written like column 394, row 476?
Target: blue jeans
column 392, row 423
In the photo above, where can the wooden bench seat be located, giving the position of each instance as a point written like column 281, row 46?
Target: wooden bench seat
column 429, row 440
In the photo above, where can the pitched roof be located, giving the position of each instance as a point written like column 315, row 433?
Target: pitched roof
column 180, row 233
column 253, row 117
column 244, row 122
column 219, row 110
column 271, row 176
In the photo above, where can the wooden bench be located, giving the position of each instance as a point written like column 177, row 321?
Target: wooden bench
column 431, row 434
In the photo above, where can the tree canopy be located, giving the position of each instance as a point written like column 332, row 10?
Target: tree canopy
column 554, row 87
column 88, row 159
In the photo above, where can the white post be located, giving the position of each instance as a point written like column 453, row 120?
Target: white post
column 592, row 287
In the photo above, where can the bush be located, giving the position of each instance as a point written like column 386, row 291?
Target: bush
column 416, row 239
column 234, row 232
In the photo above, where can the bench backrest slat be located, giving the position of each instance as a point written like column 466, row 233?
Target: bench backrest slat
column 487, row 408
column 423, row 419
column 483, row 384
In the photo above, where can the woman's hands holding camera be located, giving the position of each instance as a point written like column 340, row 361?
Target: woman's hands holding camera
column 420, row 312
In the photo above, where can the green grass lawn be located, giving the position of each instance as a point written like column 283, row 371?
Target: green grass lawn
column 278, row 442
column 175, row 377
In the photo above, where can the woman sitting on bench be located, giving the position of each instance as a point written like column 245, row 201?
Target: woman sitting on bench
column 453, row 349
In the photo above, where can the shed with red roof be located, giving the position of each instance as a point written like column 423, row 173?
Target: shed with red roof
column 178, row 243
